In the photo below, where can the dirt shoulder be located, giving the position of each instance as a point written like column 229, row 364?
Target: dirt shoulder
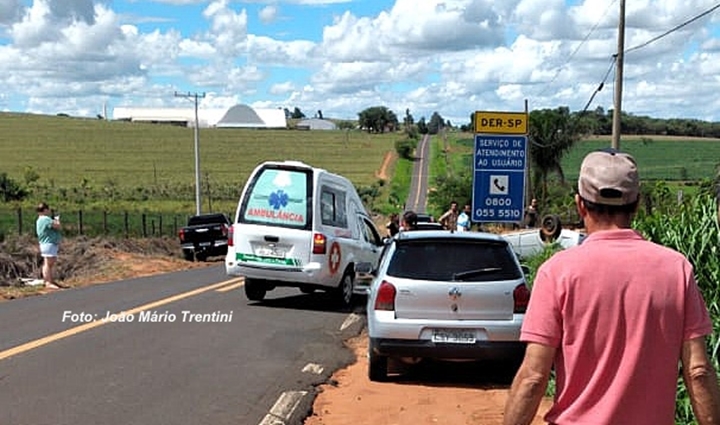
column 351, row 398
column 88, row 261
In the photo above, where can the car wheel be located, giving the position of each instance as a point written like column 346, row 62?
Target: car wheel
column 377, row 367
column 307, row 290
column 345, row 290
column 189, row 255
column 254, row 290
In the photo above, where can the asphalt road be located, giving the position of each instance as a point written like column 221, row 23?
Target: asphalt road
column 417, row 196
column 61, row 363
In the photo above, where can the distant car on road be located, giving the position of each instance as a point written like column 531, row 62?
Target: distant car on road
column 444, row 295
column 429, row 225
column 425, row 218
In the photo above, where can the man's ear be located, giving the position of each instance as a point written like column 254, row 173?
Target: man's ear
column 580, row 205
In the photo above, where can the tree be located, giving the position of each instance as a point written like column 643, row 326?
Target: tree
column 552, row 134
column 297, row 114
column 422, row 126
column 10, row 190
column 378, row 119
column 436, row 124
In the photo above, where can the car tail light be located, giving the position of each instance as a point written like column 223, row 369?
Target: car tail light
column 319, row 244
column 230, row 235
column 521, row 298
column 181, row 234
column 385, row 299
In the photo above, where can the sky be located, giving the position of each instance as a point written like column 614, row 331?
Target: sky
column 453, row 57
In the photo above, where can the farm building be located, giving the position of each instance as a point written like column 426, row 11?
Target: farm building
column 238, row 116
column 316, row 124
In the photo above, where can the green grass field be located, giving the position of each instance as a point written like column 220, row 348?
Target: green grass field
column 95, row 165
column 659, row 157
column 67, row 150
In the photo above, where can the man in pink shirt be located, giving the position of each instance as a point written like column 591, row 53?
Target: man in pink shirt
column 614, row 315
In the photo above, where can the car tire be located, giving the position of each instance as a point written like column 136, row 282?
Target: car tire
column 189, row 255
column 255, row 290
column 377, row 366
column 345, row 290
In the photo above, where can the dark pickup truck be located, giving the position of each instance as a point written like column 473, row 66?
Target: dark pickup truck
column 205, row 235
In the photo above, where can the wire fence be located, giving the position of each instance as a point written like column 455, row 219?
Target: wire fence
column 92, row 223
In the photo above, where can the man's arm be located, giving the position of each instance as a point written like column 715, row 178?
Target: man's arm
column 528, row 387
column 701, row 381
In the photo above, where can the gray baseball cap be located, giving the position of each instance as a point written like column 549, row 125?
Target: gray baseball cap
column 609, row 177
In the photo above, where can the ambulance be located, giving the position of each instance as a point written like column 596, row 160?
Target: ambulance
column 303, row 227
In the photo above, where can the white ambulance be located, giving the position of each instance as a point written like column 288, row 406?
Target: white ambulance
column 303, row 227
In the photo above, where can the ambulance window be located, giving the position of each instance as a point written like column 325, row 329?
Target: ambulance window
column 279, row 197
column 332, row 208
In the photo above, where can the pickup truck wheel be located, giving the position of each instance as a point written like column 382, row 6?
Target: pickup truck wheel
column 254, row 290
column 345, row 290
column 189, row 255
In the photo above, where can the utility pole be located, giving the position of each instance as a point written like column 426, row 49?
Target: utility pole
column 195, row 97
column 616, row 128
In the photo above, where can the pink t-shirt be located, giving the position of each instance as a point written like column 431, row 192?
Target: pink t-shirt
column 618, row 309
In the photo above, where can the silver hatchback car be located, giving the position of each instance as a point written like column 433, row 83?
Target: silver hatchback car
column 443, row 295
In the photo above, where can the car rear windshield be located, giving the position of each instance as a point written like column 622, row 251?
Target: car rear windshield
column 279, row 196
column 453, row 260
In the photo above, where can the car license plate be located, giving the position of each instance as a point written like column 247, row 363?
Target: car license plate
column 453, row 336
column 205, row 243
column 270, row 252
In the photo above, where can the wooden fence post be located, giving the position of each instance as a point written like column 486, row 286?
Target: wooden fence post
column 105, row 224
column 127, row 226
column 144, row 225
column 20, row 223
column 80, row 222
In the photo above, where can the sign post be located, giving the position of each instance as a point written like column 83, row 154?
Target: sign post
column 499, row 169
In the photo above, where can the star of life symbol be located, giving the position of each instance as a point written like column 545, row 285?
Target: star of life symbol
column 334, row 258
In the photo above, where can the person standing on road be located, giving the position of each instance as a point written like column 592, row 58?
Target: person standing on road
column 531, row 215
column 48, row 233
column 393, row 226
column 614, row 315
column 463, row 222
column 409, row 221
column 450, row 217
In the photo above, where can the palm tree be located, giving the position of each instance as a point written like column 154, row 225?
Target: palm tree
column 552, row 135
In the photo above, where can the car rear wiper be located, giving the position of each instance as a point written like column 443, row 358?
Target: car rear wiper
column 476, row 272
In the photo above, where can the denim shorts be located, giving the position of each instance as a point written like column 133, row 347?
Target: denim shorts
column 49, row 249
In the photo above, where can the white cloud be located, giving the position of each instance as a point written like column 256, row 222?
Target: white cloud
column 268, row 14
column 450, row 56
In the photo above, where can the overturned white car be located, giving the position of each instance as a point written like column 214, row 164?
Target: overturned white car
column 529, row 242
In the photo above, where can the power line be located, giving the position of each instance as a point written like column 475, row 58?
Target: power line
column 670, row 31
column 577, row 48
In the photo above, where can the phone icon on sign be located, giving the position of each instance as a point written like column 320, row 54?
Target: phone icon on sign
column 499, row 185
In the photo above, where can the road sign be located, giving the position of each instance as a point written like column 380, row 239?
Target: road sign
column 499, row 178
column 488, row 122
